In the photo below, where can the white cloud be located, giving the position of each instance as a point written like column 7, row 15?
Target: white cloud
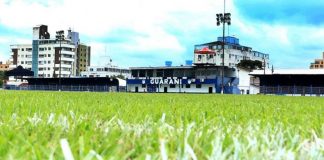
column 98, row 18
column 6, row 41
column 156, row 24
column 289, row 46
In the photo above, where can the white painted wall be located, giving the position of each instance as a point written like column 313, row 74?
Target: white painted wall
column 204, row 88
column 92, row 71
column 231, row 59
column 244, row 84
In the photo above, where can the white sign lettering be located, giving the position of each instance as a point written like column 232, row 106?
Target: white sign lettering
column 165, row 81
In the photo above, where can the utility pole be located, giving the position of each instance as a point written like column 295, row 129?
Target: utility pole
column 264, row 66
column 60, row 38
column 223, row 18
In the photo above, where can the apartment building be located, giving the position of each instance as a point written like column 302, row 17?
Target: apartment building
column 48, row 58
column 43, row 55
column 83, row 58
column 318, row 63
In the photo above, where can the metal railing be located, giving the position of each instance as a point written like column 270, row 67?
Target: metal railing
column 77, row 88
column 292, row 90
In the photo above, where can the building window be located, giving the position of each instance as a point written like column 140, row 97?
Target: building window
column 48, row 55
column 187, row 85
column 198, row 85
column 159, row 73
column 49, row 48
column 172, row 86
column 143, row 85
column 199, row 57
column 142, row 73
column 22, row 49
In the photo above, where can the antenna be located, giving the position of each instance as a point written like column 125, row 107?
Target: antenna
column 107, row 56
column 224, row 6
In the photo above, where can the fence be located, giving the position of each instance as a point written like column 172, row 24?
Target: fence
column 292, row 90
column 81, row 88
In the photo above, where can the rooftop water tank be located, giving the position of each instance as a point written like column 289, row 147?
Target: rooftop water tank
column 188, row 62
column 168, row 63
column 229, row 39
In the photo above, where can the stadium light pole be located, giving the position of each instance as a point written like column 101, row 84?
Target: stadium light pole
column 223, row 18
column 60, row 38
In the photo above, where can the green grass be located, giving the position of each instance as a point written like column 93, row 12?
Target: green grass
column 155, row 126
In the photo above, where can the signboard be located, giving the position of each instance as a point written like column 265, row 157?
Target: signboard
column 171, row 81
column 164, row 81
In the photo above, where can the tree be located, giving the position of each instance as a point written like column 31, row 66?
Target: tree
column 2, row 77
column 250, row 64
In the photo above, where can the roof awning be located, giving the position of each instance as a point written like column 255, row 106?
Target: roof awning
column 19, row 71
column 205, row 50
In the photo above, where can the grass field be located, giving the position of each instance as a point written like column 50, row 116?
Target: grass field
column 46, row 125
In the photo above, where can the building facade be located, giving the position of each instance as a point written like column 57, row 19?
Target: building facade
column 43, row 55
column 83, row 58
column 48, row 58
column 205, row 75
column 234, row 53
column 182, row 79
column 293, row 82
column 247, row 83
column 108, row 70
column 318, row 63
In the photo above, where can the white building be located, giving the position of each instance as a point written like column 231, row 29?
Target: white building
column 48, row 57
column 234, row 53
column 43, row 55
column 108, row 70
column 247, row 83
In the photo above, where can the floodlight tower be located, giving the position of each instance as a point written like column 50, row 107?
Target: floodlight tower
column 223, row 18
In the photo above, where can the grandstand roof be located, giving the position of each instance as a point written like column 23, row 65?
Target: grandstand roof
column 288, row 72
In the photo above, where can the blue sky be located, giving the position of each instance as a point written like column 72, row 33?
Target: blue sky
column 149, row 32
